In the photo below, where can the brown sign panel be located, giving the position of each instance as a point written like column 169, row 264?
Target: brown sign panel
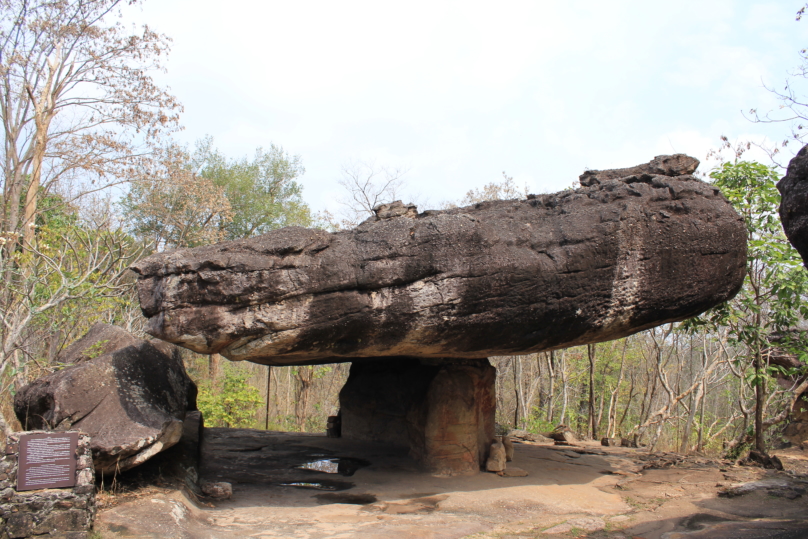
column 47, row 460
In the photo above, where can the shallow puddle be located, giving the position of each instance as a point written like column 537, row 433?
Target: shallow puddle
column 320, row 485
column 338, row 465
column 354, row 499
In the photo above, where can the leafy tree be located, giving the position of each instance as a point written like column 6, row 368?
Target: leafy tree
column 189, row 199
column 171, row 206
column 77, row 101
column 234, row 403
column 770, row 304
column 263, row 193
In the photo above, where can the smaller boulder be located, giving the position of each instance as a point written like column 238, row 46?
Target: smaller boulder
column 562, row 433
column 508, row 444
column 526, row 436
column 221, row 490
column 395, row 209
column 628, row 442
column 131, row 400
column 611, row 442
column 496, row 458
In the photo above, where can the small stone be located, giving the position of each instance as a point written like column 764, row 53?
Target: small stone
column 221, row 490
column 512, row 471
column 562, row 433
column 84, row 489
column 496, row 458
column 506, row 441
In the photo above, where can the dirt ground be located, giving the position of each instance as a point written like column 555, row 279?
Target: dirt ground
column 312, row 487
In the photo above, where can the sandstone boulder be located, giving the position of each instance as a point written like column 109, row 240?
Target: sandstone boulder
column 793, row 189
column 562, row 433
column 508, row 444
column 526, row 436
column 442, row 411
column 632, row 249
column 496, row 458
column 131, row 400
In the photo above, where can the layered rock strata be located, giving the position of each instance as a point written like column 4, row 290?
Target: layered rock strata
column 129, row 395
column 502, row 277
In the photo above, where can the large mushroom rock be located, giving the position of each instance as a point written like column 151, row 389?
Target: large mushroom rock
column 418, row 301
column 501, row 277
column 129, row 395
column 793, row 189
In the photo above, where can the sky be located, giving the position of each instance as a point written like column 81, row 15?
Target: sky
column 459, row 92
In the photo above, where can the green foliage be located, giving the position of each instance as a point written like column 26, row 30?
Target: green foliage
column 231, row 403
column 263, row 192
column 770, row 302
column 95, row 349
column 536, row 422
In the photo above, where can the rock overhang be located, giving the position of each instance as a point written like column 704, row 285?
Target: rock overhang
column 629, row 250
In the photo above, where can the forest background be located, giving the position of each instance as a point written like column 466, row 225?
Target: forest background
column 93, row 179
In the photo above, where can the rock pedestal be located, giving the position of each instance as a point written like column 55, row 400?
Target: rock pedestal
column 631, row 249
column 497, row 278
column 443, row 411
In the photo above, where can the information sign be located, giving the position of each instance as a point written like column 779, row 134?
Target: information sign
column 47, row 460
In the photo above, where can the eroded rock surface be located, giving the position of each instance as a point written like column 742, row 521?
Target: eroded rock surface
column 131, row 400
column 631, row 249
column 794, row 202
column 443, row 411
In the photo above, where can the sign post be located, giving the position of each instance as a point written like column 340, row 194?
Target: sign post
column 47, row 460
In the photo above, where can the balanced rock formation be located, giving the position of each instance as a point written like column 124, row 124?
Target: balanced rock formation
column 631, row 249
column 129, row 395
column 500, row 277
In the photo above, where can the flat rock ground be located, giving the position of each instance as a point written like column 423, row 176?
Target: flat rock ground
column 352, row 490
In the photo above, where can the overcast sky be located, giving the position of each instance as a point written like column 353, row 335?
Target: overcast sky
column 458, row 92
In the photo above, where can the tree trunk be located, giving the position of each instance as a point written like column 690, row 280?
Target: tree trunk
column 43, row 114
column 266, row 411
column 694, row 405
column 214, row 365
column 551, row 396
column 760, row 402
column 304, row 376
column 519, row 413
column 590, row 350
column 700, row 443
column 563, row 387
